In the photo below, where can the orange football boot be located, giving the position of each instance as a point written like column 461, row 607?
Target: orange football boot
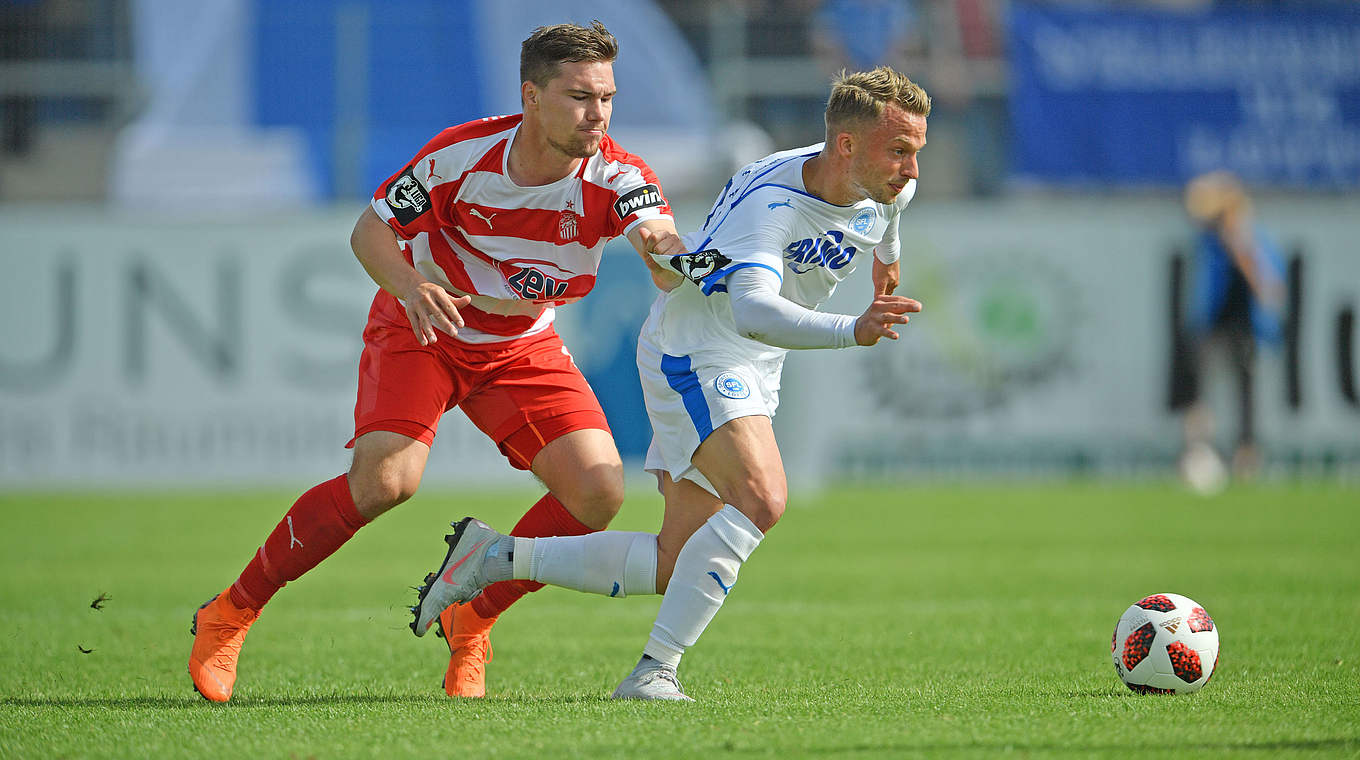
column 219, row 629
column 469, row 638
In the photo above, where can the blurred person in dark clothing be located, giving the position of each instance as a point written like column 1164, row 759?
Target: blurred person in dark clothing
column 1236, row 300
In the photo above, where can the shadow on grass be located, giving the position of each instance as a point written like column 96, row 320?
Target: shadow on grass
column 1098, row 694
column 243, row 703
column 928, row 750
column 195, row 702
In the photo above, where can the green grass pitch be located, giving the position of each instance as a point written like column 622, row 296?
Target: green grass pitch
column 910, row 621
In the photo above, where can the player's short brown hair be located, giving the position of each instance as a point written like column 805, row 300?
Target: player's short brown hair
column 550, row 46
column 859, row 97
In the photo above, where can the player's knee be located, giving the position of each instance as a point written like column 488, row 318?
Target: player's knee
column 378, row 491
column 765, row 506
column 602, row 500
column 598, row 498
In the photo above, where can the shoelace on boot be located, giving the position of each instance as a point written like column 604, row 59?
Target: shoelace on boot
column 668, row 676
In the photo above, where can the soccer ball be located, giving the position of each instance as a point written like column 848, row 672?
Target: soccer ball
column 1165, row 644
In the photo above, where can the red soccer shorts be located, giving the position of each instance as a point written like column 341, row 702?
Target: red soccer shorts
column 522, row 393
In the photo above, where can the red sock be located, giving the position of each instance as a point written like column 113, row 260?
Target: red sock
column 320, row 522
column 546, row 518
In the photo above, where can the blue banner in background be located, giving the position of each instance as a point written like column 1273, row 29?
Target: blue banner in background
column 367, row 81
column 1101, row 97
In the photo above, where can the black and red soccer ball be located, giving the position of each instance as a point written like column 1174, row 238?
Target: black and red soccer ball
column 1165, row 644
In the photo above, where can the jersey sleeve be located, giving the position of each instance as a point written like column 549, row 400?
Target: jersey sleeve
column 890, row 250
column 412, row 204
column 748, row 236
column 638, row 193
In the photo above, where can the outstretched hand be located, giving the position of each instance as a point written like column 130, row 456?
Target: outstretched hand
column 430, row 307
column 876, row 322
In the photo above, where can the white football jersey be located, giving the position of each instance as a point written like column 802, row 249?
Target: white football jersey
column 765, row 217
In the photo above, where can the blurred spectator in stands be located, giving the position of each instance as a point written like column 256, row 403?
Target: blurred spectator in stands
column 1237, row 297
column 953, row 48
column 972, row 87
column 20, row 36
column 861, row 34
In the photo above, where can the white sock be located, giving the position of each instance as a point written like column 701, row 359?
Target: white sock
column 704, row 572
column 610, row 562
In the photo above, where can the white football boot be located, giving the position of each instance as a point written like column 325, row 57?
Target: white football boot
column 652, row 680
column 460, row 578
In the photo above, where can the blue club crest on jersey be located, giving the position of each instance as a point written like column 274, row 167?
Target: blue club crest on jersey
column 864, row 221
column 731, row 386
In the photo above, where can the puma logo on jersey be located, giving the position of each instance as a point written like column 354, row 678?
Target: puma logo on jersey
column 484, row 218
column 610, row 179
column 431, row 175
column 785, row 202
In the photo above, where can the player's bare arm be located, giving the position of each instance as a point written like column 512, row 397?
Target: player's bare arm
column 886, row 277
column 1234, row 230
column 429, row 307
column 658, row 237
column 886, row 310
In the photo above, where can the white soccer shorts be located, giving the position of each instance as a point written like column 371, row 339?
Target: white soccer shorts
column 688, row 397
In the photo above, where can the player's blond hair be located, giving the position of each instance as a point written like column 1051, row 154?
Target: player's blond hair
column 859, row 97
column 550, row 46
column 1209, row 198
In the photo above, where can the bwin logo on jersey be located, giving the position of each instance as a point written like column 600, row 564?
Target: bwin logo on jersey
column 731, row 386
column 807, row 254
column 647, row 196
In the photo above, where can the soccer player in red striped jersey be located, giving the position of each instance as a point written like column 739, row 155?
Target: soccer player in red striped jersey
column 473, row 244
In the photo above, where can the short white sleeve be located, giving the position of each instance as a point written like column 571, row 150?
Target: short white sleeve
column 751, row 234
column 890, row 250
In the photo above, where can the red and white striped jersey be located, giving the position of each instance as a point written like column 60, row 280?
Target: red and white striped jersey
column 518, row 251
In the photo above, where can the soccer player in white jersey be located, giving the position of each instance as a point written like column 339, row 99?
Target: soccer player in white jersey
column 472, row 244
column 782, row 235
